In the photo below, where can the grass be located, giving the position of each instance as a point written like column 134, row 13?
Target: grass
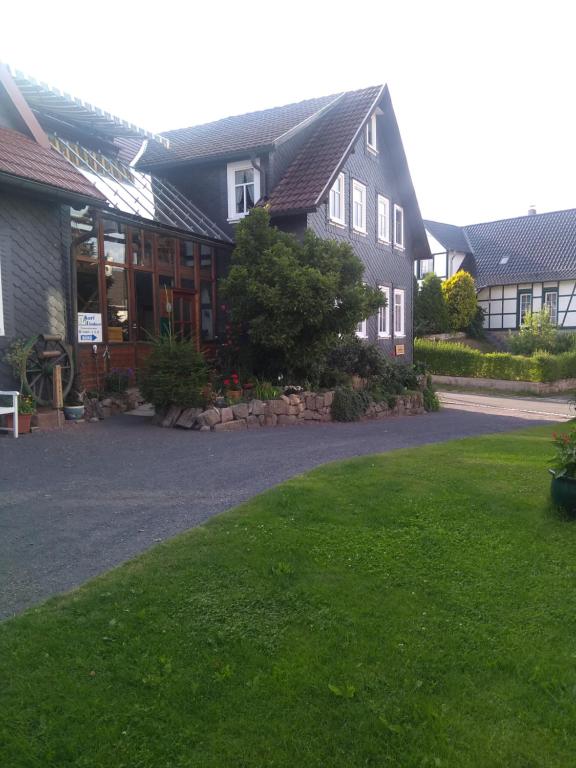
column 411, row 609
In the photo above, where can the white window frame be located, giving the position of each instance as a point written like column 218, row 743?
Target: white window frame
column 547, row 292
column 357, row 186
column 338, row 191
column 371, row 129
column 240, row 165
column 399, row 231
column 2, row 332
column 362, row 329
column 384, row 315
column 383, row 218
column 400, row 329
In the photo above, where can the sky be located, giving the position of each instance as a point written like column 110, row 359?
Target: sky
column 483, row 92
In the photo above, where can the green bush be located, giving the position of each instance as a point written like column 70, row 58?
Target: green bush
column 430, row 398
column 448, row 359
column 349, row 404
column 460, row 295
column 430, row 310
column 353, row 357
column 537, row 333
column 174, row 373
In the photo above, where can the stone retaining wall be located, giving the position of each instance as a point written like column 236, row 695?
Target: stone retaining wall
column 303, row 408
column 535, row 387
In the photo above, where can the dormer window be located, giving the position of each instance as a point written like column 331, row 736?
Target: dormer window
column 371, row 140
column 243, row 189
column 337, row 200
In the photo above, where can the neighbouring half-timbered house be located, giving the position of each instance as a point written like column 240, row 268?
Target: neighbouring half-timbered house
column 519, row 265
column 335, row 165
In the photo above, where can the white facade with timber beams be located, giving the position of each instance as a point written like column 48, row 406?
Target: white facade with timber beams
column 519, row 265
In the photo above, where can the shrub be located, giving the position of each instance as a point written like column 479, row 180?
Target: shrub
column 430, row 310
column 292, row 299
column 444, row 358
column 536, row 332
column 430, row 398
column 460, row 295
column 349, row 404
column 353, row 357
column 118, row 379
column 476, row 328
column 174, row 373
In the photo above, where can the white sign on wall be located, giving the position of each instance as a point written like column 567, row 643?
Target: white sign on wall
column 89, row 327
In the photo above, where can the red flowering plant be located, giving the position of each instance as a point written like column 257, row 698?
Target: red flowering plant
column 564, row 461
column 232, row 382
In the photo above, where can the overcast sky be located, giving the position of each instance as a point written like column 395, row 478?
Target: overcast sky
column 484, row 92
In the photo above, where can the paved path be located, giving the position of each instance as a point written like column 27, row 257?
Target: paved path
column 75, row 503
column 557, row 408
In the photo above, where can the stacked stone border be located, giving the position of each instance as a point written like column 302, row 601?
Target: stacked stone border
column 302, row 408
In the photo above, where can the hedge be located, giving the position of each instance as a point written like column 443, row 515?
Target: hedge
column 449, row 359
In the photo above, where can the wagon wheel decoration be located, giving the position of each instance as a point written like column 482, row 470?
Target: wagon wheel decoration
column 44, row 353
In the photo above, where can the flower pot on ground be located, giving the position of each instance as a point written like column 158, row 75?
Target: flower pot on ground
column 234, row 394
column 74, row 412
column 563, row 485
column 563, row 493
column 26, row 409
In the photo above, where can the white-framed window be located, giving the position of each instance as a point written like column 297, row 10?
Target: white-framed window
column 399, row 312
column 524, row 305
column 1, row 306
column 358, row 206
column 398, row 226
column 338, row 200
column 362, row 329
column 371, row 138
column 383, row 219
column 426, row 265
column 243, row 189
column 551, row 304
column 384, row 315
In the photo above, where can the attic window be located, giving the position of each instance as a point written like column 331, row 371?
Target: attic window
column 371, row 140
column 243, row 189
column 504, row 260
column 337, row 198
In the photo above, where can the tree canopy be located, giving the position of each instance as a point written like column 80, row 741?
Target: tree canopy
column 460, row 295
column 290, row 299
column 430, row 310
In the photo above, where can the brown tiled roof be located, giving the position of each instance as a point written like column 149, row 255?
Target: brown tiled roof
column 24, row 158
column 306, row 178
column 233, row 134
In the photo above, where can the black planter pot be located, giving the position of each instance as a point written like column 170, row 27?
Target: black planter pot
column 563, row 492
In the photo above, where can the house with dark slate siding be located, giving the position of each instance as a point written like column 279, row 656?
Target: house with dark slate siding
column 335, row 165
column 102, row 219
column 519, row 265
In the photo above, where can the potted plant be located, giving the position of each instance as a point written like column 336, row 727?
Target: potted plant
column 233, row 387
column 26, row 409
column 563, row 486
column 74, row 407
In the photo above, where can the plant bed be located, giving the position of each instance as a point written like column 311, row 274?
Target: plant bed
column 286, row 410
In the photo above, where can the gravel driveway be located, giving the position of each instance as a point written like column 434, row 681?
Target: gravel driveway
column 75, row 503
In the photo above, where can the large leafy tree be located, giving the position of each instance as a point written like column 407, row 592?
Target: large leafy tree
column 460, row 295
column 293, row 299
column 430, row 310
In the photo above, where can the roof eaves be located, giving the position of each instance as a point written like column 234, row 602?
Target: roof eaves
column 287, row 135
column 354, row 139
column 52, row 190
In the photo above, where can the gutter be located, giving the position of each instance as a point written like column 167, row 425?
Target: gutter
column 47, row 190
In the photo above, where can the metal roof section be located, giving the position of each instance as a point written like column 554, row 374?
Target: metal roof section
column 71, row 110
column 138, row 193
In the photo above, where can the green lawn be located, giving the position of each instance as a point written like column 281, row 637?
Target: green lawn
column 410, row 609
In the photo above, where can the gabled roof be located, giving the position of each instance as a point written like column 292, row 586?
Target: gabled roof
column 534, row 248
column 23, row 159
column 537, row 247
column 311, row 173
column 448, row 235
column 241, row 133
